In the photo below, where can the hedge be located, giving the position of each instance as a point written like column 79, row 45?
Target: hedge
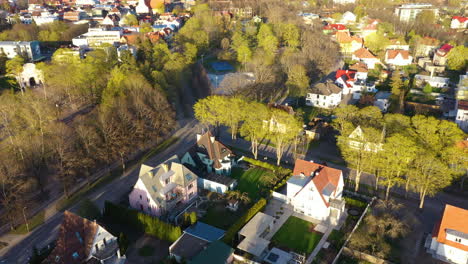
column 354, row 202
column 146, row 223
column 267, row 166
column 232, row 231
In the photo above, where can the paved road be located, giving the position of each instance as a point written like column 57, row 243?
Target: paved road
column 114, row 191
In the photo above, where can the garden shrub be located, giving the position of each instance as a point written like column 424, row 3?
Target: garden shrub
column 232, row 231
column 354, row 202
column 149, row 224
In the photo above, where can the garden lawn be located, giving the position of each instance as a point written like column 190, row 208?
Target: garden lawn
column 221, row 217
column 249, row 181
column 298, row 235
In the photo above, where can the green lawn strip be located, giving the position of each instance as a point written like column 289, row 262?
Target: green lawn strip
column 34, row 222
column 146, row 251
column 78, row 196
column 249, row 181
column 336, row 238
column 219, row 216
column 297, row 235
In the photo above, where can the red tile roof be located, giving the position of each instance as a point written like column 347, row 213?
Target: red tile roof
column 391, row 54
column 334, row 27
column 325, row 174
column 76, row 235
column 364, row 53
column 346, row 75
column 345, row 37
column 463, row 104
column 359, row 67
column 446, row 47
column 454, row 218
column 460, row 18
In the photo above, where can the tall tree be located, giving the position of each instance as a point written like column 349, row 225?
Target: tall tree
column 283, row 129
column 253, row 128
column 398, row 89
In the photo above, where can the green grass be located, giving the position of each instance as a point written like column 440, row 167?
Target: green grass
column 219, row 216
column 8, row 83
column 34, row 222
column 78, row 196
column 337, row 238
column 249, row 181
column 146, row 251
column 298, row 235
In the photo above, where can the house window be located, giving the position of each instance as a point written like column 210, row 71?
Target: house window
column 190, row 186
column 190, row 195
column 167, row 181
column 149, row 209
column 458, row 240
column 141, row 197
column 147, row 199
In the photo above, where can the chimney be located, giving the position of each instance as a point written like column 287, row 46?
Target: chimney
column 212, row 139
column 302, row 175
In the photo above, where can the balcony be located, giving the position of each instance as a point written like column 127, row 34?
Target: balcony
column 174, row 198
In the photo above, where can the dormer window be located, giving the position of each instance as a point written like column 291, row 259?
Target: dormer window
column 75, row 255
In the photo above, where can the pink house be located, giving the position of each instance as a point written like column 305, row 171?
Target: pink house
column 159, row 189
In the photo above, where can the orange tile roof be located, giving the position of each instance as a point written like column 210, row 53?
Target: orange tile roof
column 359, row 67
column 364, row 53
column 454, row 218
column 391, row 54
column 326, row 174
column 345, row 37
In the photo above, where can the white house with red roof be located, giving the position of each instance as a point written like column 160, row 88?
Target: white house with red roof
column 398, row 57
column 440, row 56
column 449, row 238
column 366, row 56
column 316, row 190
column 459, row 22
column 345, row 79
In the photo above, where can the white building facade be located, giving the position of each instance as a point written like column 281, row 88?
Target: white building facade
column 409, row 12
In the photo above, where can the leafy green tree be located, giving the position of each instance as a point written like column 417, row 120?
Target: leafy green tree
column 14, row 67
column 359, row 11
column 209, row 110
column 457, row 58
column 337, row 16
column 298, row 81
column 252, row 128
column 398, row 89
column 426, row 17
column 130, row 20
column 377, row 42
column 244, row 54
column 89, row 210
column 266, row 39
column 427, row 89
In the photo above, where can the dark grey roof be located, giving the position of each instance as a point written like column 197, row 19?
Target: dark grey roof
column 326, row 88
column 188, row 246
column 222, row 179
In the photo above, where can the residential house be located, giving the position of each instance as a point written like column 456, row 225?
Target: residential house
column 426, row 64
column 408, row 12
column 348, row 18
column 344, row 2
column 74, row 16
column 309, row 18
column 216, row 252
column 333, row 28
column 462, row 88
column 83, row 241
column 160, row 189
column 426, row 47
column 449, row 239
column 217, row 183
column 194, row 240
column 382, row 100
column 345, row 79
column 397, row 44
column 434, row 81
column 459, row 22
column 366, row 56
column 357, row 140
column 210, row 156
column 142, row 7
column 361, row 70
column 440, row 56
column 316, row 190
column 324, row 95
column 29, row 49
column 462, row 115
column 398, row 57
column 252, row 235
column 369, row 28
column 348, row 44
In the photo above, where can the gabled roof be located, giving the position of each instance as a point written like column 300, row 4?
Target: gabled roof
column 359, row 67
column 326, row 88
column 75, row 239
column 454, row 221
column 345, row 37
column 334, row 27
column 392, row 54
column 346, row 75
column 460, row 19
column 153, row 178
column 445, row 48
column 364, row 53
column 215, row 150
column 323, row 177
